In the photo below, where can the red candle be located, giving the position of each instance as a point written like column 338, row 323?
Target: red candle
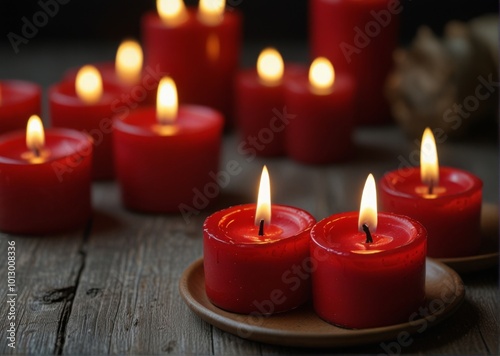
column 164, row 157
column 44, row 180
column 323, row 105
column 87, row 105
column 366, row 274
column 199, row 49
column 358, row 37
column 256, row 257
column 260, row 102
column 18, row 101
column 447, row 201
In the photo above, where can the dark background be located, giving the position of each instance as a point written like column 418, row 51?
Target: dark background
column 264, row 20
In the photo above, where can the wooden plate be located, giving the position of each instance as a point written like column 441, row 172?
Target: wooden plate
column 302, row 327
column 488, row 254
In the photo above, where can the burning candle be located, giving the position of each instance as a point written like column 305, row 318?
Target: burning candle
column 323, row 105
column 370, row 268
column 259, row 93
column 358, row 37
column 44, row 180
column 87, row 104
column 18, row 101
column 447, row 201
column 195, row 46
column 164, row 156
column 256, row 256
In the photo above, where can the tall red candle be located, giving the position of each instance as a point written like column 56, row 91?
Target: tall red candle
column 47, row 191
column 448, row 204
column 359, row 283
column 69, row 108
column 162, row 163
column 323, row 109
column 202, row 56
column 18, row 101
column 260, row 102
column 249, row 272
column 358, row 37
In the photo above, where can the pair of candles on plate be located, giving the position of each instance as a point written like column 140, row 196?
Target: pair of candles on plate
column 269, row 262
column 315, row 118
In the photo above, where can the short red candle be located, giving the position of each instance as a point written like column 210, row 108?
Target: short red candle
column 365, row 285
column 321, row 131
column 68, row 110
column 18, row 101
column 261, row 115
column 202, row 59
column 247, row 273
column 47, row 196
column 359, row 37
column 159, row 168
column 451, row 215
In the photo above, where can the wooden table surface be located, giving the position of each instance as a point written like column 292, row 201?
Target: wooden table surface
column 112, row 288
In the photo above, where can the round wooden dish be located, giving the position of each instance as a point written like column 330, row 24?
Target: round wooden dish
column 302, row 327
column 488, row 254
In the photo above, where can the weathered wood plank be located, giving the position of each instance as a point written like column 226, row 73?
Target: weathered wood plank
column 127, row 300
column 47, row 273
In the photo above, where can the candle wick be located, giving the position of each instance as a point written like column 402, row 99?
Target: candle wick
column 431, row 187
column 36, row 152
column 261, row 228
column 366, row 229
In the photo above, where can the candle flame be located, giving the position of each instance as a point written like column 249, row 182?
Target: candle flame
column 35, row 135
column 88, row 84
column 166, row 101
column 211, row 12
column 368, row 207
column 129, row 59
column 263, row 211
column 171, row 12
column 321, row 75
column 270, row 66
column 429, row 165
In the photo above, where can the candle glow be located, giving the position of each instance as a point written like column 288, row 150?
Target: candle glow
column 210, row 12
column 88, row 84
column 368, row 207
column 35, row 135
column 263, row 211
column 270, row 66
column 166, row 101
column 429, row 164
column 171, row 12
column 321, row 75
column 129, row 58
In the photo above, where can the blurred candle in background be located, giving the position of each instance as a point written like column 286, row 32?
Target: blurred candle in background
column 323, row 106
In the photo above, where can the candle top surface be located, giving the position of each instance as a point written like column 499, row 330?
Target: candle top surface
column 339, row 234
column 235, row 225
column 58, row 143
column 153, row 19
column 452, row 182
column 190, row 119
column 65, row 93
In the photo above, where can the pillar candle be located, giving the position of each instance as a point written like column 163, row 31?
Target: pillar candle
column 88, row 109
column 323, row 109
column 18, row 101
column 370, row 268
column 358, row 37
column 45, row 182
column 256, row 261
column 164, row 156
column 201, row 55
column 446, row 200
